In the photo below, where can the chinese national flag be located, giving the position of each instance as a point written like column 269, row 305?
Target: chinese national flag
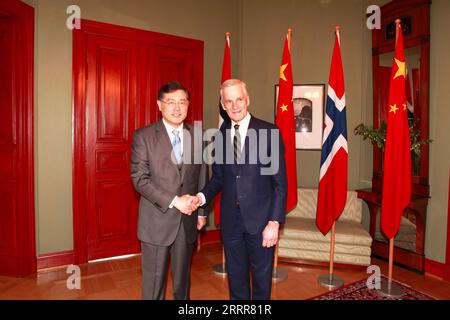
column 223, row 116
column 397, row 154
column 285, row 121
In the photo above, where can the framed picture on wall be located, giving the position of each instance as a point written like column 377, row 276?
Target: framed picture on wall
column 309, row 102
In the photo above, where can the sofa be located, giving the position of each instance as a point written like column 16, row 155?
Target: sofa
column 301, row 241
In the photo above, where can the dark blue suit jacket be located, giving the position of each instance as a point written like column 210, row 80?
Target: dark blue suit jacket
column 259, row 198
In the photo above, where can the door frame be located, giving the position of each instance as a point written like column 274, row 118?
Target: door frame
column 79, row 41
column 23, row 262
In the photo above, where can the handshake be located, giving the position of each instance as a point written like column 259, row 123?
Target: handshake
column 187, row 203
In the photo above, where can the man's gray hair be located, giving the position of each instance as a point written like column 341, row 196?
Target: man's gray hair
column 233, row 82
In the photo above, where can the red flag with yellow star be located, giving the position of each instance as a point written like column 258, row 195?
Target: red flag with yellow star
column 284, row 119
column 397, row 154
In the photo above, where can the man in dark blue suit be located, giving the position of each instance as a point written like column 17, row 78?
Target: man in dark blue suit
column 253, row 186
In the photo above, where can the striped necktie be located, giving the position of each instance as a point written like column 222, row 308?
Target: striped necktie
column 237, row 144
column 176, row 144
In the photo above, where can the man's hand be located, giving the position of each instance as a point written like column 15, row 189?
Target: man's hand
column 270, row 234
column 201, row 221
column 186, row 204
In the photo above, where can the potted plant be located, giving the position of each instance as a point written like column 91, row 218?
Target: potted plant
column 377, row 136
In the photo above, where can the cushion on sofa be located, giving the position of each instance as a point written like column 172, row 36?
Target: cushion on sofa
column 347, row 232
column 353, row 249
column 361, row 260
column 307, row 202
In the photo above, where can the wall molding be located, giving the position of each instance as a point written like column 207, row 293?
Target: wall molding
column 62, row 258
column 437, row 269
column 55, row 259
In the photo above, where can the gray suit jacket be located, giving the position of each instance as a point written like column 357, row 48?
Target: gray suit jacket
column 158, row 180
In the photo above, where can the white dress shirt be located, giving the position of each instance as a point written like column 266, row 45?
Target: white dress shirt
column 243, row 128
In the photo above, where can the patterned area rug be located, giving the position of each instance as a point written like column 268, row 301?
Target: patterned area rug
column 359, row 291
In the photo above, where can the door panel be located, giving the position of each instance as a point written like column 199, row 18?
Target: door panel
column 173, row 64
column 111, row 65
column 8, row 146
column 8, row 214
column 7, row 116
column 17, row 234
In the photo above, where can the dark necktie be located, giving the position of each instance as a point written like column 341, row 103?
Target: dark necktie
column 237, row 144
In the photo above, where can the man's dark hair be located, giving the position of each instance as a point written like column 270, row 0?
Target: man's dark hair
column 171, row 87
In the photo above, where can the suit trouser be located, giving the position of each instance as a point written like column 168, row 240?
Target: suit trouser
column 244, row 253
column 155, row 264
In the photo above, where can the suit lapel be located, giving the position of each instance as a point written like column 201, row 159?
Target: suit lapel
column 245, row 155
column 228, row 147
column 188, row 148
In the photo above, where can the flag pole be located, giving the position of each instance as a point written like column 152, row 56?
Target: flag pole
column 389, row 288
column 289, row 34
column 224, row 270
column 391, row 260
column 332, row 251
column 220, row 268
column 280, row 274
column 223, row 258
column 337, row 29
column 329, row 280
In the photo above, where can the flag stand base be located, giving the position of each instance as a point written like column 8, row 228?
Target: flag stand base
column 220, row 270
column 279, row 275
column 391, row 291
column 330, row 281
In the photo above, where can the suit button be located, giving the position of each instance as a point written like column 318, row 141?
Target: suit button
column 181, row 185
column 237, row 177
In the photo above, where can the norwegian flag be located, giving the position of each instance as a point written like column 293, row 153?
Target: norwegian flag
column 333, row 165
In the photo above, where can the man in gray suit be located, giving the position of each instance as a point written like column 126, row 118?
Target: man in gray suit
column 162, row 169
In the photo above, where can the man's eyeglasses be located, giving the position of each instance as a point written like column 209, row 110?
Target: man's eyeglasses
column 173, row 103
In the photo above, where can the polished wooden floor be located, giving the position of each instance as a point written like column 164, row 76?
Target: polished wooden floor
column 120, row 279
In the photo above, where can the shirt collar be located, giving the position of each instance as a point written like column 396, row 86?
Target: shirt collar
column 244, row 122
column 170, row 128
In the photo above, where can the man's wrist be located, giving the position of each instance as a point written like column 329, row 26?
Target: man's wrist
column 274, row 223
column 202, row 198
column 172, row 204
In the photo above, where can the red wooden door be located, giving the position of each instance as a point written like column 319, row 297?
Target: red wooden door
column 17, row 242
column 110, row 115
column 117, row 72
